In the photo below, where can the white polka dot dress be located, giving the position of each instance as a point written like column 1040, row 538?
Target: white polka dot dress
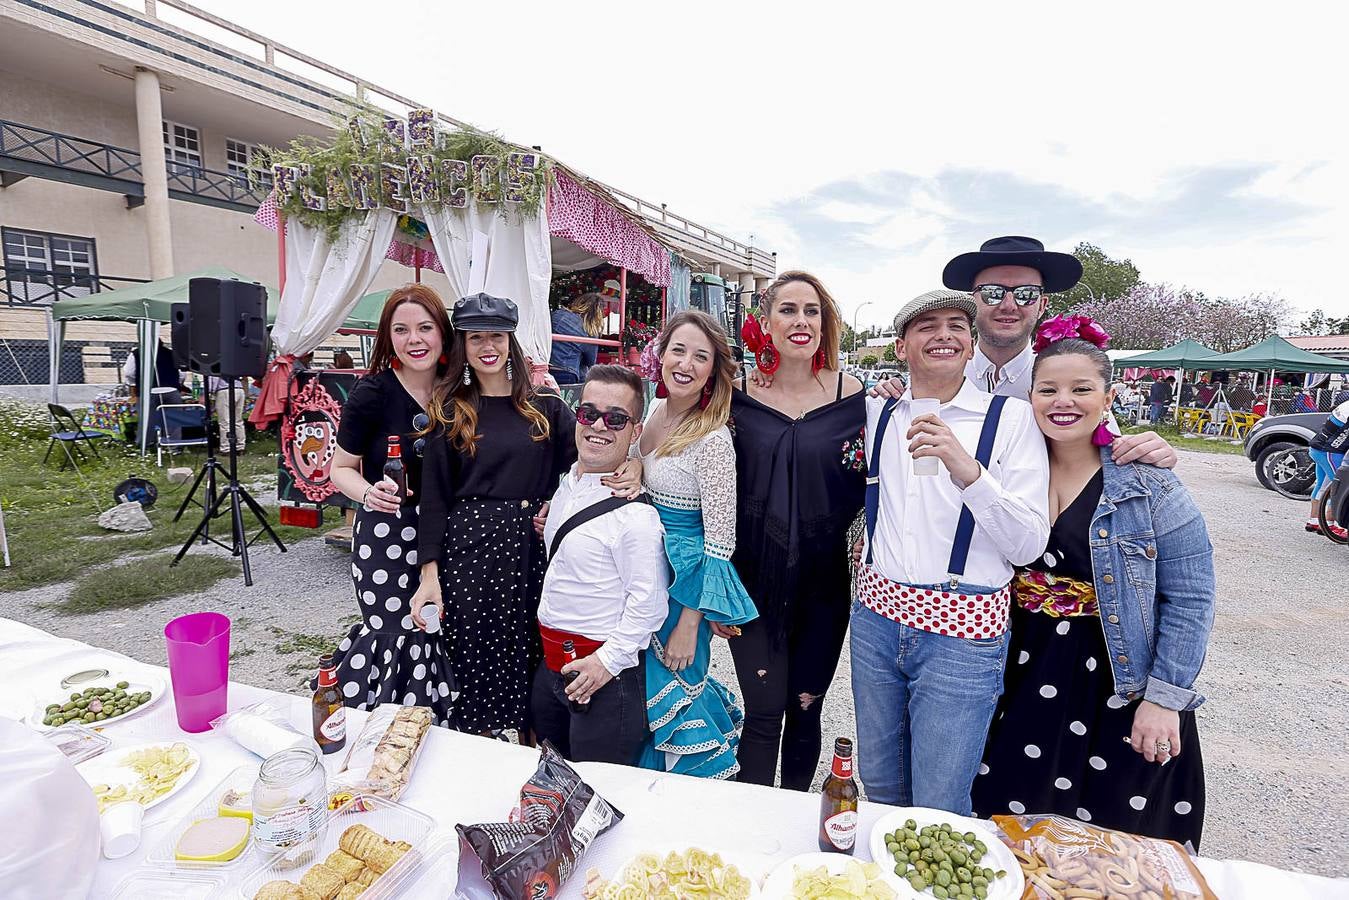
column 1057, row 743
column 387, row 658
column 491, row 579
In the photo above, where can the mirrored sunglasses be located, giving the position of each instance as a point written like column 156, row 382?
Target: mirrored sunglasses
column 1022, row 295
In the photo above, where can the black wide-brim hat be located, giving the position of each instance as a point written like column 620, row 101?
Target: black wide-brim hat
column 483, row 312
column 1058, row 271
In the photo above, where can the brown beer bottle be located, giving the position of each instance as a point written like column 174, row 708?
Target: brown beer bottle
column 330, row 716
column 838, row 802
column 569, row 653
column 393, row 468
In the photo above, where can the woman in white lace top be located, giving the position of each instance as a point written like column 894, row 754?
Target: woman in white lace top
column 689, row 471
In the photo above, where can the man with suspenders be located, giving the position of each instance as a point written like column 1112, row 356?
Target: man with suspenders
column 604, row 593
column 929, row 621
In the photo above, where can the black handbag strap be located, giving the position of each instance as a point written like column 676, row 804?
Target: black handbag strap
column 593, row 511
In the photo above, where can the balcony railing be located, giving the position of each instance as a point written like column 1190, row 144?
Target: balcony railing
column 26, row 151
column 22, row 286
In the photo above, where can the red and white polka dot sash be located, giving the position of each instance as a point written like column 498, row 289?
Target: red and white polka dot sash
column 940, row 612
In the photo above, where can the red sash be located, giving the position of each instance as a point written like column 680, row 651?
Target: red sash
column 553, row 656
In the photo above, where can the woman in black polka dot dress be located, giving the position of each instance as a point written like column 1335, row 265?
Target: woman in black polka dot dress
column 1107, row 633
column 389, row 658
column 498, row 452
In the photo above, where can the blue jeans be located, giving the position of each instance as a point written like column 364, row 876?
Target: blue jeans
column 924, row 702
column 1155, row 411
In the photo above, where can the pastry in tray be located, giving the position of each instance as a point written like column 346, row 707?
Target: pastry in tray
column 362, row 856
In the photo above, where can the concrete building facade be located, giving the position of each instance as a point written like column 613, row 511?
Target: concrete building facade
column 129, row 150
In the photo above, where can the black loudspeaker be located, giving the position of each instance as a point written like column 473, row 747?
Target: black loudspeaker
column 228, row 327
column 180, row 335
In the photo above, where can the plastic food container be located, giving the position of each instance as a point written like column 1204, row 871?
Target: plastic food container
column 392, row 821
column 240, row 782
column 161, row 884
column 77, row 742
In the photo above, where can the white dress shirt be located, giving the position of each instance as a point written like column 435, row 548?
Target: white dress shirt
column 1012, row 381
column 610, row 576
column 916, row 524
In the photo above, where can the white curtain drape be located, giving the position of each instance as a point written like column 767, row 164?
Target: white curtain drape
column 503, row 252
column 324, row 280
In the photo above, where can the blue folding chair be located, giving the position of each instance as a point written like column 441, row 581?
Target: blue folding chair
column 67, row 431
column 179, row 418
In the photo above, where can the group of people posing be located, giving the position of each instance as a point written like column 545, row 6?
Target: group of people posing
column 1029, row 596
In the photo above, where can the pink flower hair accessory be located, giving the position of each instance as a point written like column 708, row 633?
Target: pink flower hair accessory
column 1067, row 326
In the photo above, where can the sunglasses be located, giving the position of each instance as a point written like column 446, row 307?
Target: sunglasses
column 1024, row 294
column 419, row 423
column 614, row 419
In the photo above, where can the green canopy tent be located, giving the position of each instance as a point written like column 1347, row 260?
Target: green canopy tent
column 1184, row 355
column 150, row 304
column 1274, row 354
column 147, row 305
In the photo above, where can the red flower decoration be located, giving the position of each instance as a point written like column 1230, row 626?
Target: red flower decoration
column 752, row 334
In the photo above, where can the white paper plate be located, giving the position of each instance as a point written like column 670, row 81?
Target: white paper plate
column 778, row 884
column 137, row 684
column 755, row 873
column 109, row 769
column 998, row 856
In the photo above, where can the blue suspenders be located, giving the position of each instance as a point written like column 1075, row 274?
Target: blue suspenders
column 960, row 547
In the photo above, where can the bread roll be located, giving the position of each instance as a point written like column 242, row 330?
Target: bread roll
column 323, row 881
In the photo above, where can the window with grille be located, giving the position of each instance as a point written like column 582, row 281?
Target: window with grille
column 41, row 268
column 244, row 159
column 182, row 147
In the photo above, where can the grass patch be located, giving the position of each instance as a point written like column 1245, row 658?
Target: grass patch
column 51, row 515
column 1189, row 441
column 309, row 646
column 144, row 581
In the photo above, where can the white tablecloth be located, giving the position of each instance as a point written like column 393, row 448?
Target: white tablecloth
column 464, row 779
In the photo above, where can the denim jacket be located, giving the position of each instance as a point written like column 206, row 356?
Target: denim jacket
column 1153, row 569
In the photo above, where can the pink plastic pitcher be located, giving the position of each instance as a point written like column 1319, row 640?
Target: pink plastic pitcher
column 199, row 666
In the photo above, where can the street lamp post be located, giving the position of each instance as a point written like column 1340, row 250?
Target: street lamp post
column 855, row 314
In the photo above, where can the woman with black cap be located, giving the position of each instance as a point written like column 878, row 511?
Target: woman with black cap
column 496, row 449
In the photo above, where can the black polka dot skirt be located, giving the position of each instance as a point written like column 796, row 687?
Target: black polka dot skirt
column 1056, row 744
column 491, row 579
column 387, row 658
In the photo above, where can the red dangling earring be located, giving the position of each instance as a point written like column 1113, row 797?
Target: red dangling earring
column 767, row 356
column 395, row 363
column 444, row 360
column 661, row 390
column 706, row 398
column 1102, row 436
column 817, row 361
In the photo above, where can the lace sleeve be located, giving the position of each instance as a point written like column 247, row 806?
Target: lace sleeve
column 715, row 463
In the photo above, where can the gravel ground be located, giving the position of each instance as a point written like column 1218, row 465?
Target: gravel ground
column 1273, row 730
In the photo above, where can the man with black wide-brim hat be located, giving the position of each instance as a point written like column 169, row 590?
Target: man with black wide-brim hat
column 1010, row 278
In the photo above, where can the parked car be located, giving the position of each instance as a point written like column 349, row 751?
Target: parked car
column 1278, row 447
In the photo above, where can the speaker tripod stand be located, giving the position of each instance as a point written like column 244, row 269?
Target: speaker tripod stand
column 234, row 493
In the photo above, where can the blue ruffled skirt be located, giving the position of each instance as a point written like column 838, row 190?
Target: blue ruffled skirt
column 694, row 720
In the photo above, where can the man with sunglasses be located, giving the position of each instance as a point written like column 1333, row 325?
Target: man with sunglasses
column 1010, row 278
column 604, row 593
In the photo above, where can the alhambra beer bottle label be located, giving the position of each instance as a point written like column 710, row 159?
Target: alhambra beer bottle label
column 838, row 802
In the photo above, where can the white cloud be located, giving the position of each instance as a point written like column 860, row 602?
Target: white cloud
column 724, row 111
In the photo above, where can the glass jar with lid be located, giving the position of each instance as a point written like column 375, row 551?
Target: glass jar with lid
column 290, row 804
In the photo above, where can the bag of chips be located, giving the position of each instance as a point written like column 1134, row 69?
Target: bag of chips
column 1064, row 858
column 533, row 855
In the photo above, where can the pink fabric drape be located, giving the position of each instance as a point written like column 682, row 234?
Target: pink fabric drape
column 597, row 226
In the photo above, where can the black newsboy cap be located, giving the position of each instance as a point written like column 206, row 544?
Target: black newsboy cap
column 483, row 312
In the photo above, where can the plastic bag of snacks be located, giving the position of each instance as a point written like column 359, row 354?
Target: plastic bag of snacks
column 1064, row 858
column 381, row 760
column 535, row 853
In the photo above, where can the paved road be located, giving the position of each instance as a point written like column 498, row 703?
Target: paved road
column 1273, row 731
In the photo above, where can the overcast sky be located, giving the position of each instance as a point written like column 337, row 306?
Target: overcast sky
column 871, row 142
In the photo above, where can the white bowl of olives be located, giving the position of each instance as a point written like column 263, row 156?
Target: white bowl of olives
column 97, row 703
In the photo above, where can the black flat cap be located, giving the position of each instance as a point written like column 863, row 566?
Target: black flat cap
column 483, row 312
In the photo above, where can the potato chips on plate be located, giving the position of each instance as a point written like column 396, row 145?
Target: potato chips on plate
column 147, row 774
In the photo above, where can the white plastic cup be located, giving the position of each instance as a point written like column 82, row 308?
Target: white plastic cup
column 927, row 406
column 120, row 828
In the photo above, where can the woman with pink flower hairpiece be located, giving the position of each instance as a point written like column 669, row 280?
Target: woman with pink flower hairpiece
column 1108, row 629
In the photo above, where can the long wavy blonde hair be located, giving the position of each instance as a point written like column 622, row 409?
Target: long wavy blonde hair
column 717, row 413
column 591, row 308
